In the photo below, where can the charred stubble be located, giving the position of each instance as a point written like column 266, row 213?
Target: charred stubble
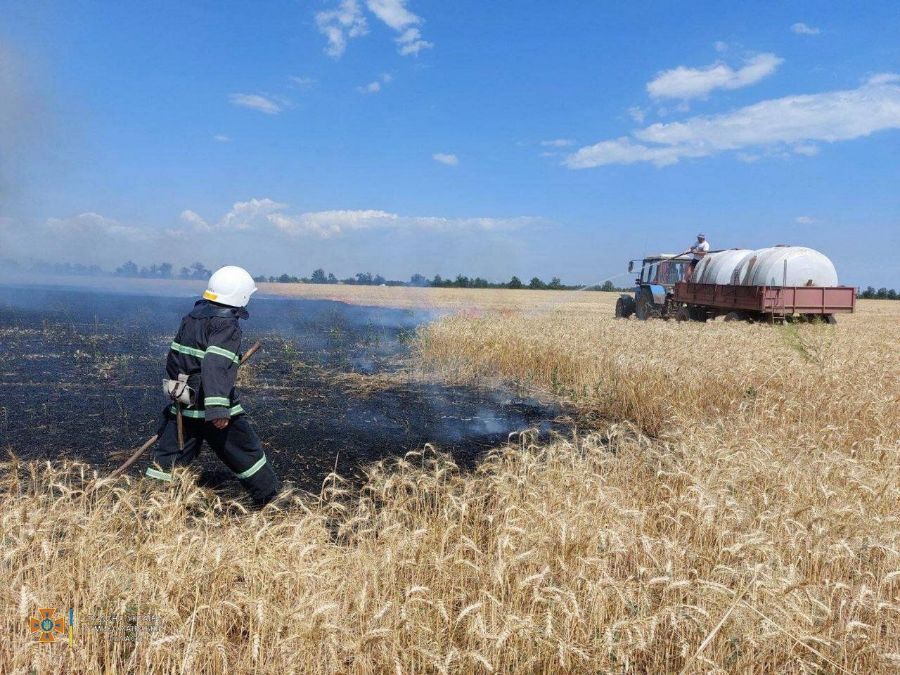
column 80, row 372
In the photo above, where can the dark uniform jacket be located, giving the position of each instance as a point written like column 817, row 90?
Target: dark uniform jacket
column 207, row 349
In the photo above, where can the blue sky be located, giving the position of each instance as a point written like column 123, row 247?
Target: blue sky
column 529, row 138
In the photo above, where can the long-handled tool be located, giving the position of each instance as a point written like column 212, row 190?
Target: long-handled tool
column 150, row 441
column 179, row 422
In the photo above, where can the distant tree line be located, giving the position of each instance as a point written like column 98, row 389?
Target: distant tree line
column 199, row 271
column 162, row 271
column 319, row 276
column 881, row 294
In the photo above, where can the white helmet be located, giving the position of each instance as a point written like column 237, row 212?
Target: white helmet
column 230, row 286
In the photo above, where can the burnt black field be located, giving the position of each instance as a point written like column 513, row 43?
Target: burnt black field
column 80, row 376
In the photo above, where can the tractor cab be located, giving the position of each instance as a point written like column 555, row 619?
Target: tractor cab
column 656, row 279
column 663, row 270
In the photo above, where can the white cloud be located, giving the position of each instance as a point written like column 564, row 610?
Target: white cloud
column 90, row 224
column 794, row 122
column 396, row 16
column 341, row 24
column 376, row 85
column 455, row 224
column 803, row 29
column 804, row 220
column 194, row 219
column 558, row 143
column 686, row 83
column 301, row 82
column 256, row 102
column 883, row 78
column 266, row 236
column 87, row 237
column 807, row 149
column 222, row 138
column 265, row 214
column 411, row 42
column 347, row 21
column 244, row 215
column 637, row 114
column 393, row 13
column 621, row 150
column 445, row 158
column 331, row 223
column 720, row 46
column 371, row 88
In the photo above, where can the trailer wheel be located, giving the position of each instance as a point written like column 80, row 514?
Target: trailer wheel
column 735, row 316
column 698, row 314
column 683, row 313
column 830, row 319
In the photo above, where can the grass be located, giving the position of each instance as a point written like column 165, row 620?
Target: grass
column 737, row 509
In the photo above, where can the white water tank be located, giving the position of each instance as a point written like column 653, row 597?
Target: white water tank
column 717, row 268
column 766, row 267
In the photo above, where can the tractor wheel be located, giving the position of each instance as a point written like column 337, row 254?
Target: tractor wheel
column 683, row 313
column 624, row 307
column 645, row 308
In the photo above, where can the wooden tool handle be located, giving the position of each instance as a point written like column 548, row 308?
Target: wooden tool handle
column 137, row 453
column 250, row 352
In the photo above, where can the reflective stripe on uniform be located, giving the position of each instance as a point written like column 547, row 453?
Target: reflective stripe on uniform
column 201, row 414
column 190, row 351
column 161, row 475
column 218, row 351
column 199, row 353
column 253, row 469
column 216, row 400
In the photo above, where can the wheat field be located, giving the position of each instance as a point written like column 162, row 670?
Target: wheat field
column 730, row 503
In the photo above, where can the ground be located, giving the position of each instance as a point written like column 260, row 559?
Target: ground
column 726, row 501
column 331, row 390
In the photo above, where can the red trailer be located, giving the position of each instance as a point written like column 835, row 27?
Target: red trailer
column 700, row 302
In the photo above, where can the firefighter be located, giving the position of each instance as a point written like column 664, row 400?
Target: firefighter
column 201, row 368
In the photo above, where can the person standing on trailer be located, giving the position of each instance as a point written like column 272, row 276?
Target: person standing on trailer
column 697, row 250
column 201, row 368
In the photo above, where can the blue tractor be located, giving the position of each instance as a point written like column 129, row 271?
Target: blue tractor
column 656, row 279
